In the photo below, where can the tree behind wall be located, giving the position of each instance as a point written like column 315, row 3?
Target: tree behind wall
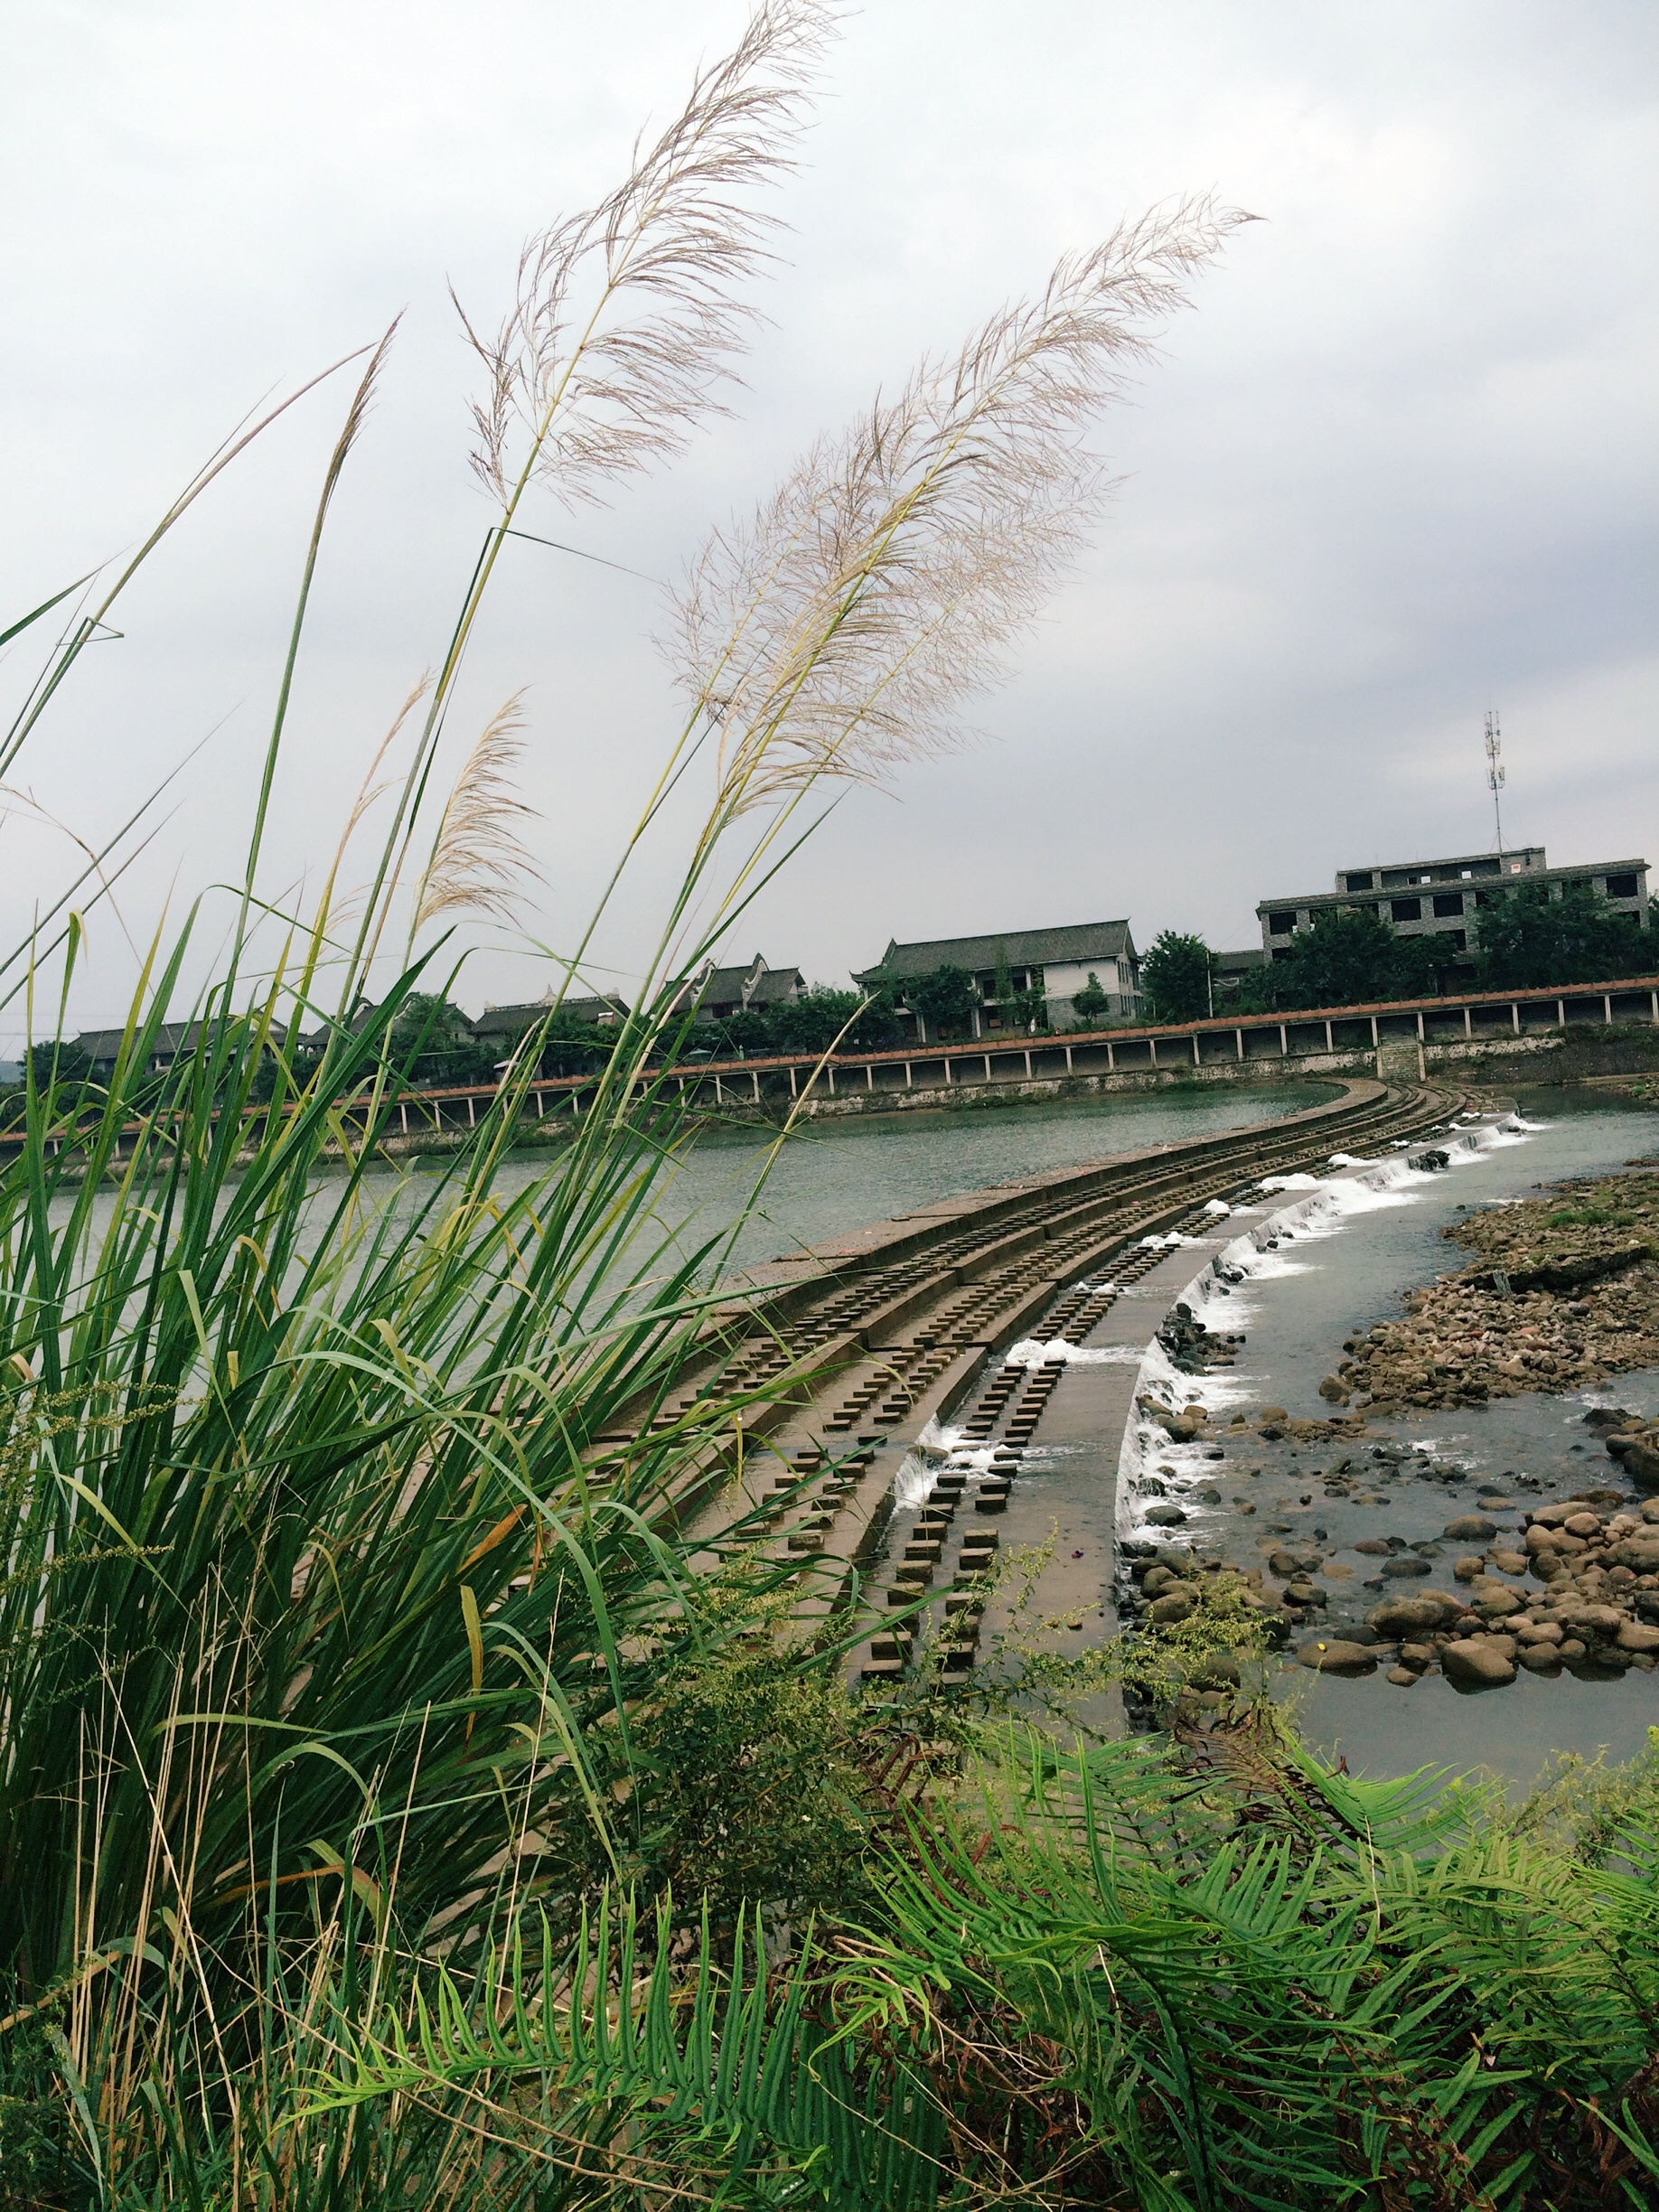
column 1175, row 978
column 944, row 998
column 1090, row 1003
column 815, row 1023
column 1350, row 960
column 1529, row 940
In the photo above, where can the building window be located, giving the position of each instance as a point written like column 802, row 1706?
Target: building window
column 1281, row 953
column 1458, row 938
column 1361, row 881
column 1280, row 924
column 1621, row 886
column 1407, row 909
column 1447, row 903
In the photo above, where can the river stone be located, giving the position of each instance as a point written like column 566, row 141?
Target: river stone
column 1476, row 1666
column 1633, row 1637
column 1600, row 1620
column 1337, row 1656
column 1157, row 1579
column 1175, row 1605
column 1465, row 1570
column 1541, row 1658
column 1641, row 1462
column 1511, row 1562
column 1401, row 1569
column 1165, row 1516
column 1374, row 1547
column 1496, row 1599
column 1284, row 1561
column 1470, row 1528
column 1405, row 1616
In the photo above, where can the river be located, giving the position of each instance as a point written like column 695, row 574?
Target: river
column 1345, row 1267
column 834, row 1175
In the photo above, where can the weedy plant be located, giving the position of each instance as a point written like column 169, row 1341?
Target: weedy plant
column 398, row 1802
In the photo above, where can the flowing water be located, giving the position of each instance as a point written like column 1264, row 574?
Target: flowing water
column 1348, row 1247
column 834, row 1175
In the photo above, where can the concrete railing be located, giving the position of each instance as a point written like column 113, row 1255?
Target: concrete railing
column 1378, row 1039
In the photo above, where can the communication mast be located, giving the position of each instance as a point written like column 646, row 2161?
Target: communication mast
column 1495, row 771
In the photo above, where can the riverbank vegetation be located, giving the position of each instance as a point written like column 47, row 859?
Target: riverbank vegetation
column 406, row 1796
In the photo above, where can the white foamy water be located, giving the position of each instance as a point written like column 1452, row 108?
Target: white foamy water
column 1029, row 1352
column 1319, row 1207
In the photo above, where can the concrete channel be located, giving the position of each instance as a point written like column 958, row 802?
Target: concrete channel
column 870, row 1345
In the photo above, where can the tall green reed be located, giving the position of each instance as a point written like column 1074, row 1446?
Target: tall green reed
column 333, row 1624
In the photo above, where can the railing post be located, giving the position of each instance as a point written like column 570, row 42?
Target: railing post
column 1284, row 1042
column 1469, row 1023
column 1238, row 1038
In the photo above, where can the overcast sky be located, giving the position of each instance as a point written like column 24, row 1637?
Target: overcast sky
column 1398, row 468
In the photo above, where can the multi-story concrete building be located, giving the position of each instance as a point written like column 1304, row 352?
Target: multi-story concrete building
column 1054, row 964
column 1418, row 898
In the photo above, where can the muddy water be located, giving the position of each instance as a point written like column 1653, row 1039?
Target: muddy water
column 1347, row 1248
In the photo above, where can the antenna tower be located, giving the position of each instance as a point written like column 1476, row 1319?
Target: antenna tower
column 1495, row 771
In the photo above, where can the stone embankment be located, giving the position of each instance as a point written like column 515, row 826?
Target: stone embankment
column 1564, row 1295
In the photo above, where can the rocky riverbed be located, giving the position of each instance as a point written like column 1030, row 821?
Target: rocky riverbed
column 1564, row 1295
column 1561, row 1296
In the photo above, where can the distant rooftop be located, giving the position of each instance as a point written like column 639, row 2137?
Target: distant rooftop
column 1078, row 941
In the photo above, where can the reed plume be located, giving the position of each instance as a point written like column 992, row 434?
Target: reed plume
column 886, row 578
column 625, row 316
column 477, row 857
